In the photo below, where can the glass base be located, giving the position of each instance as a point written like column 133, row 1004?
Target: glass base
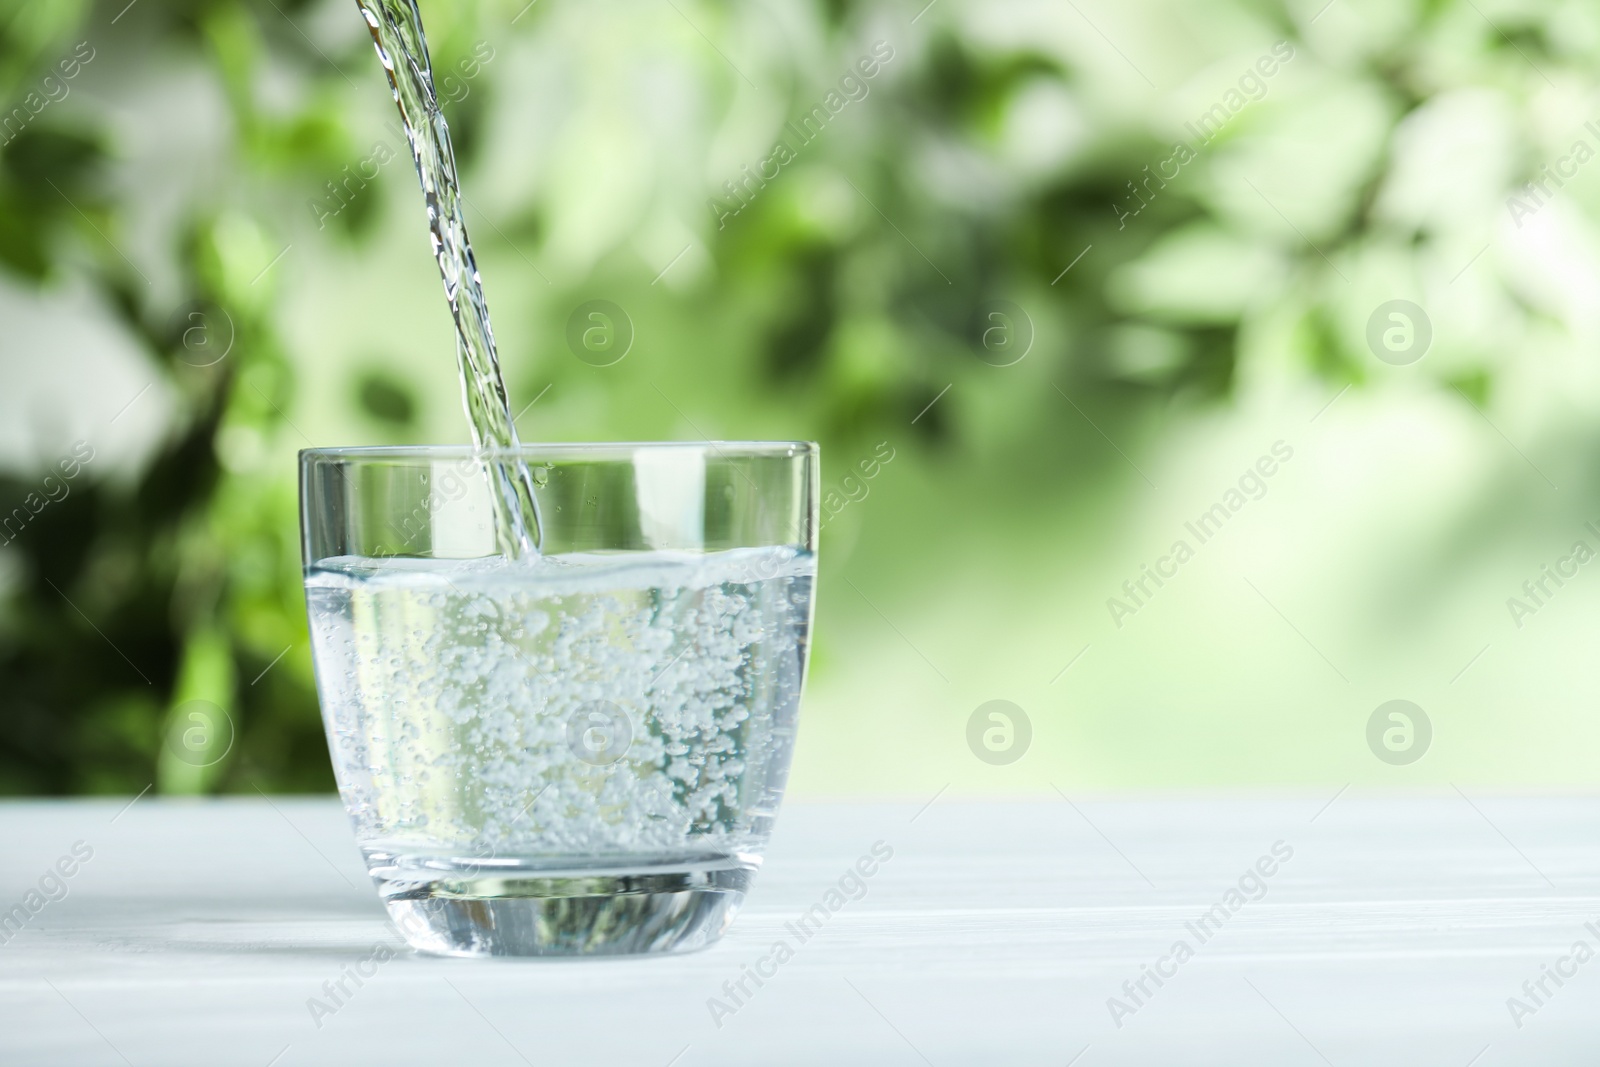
column 571, row 913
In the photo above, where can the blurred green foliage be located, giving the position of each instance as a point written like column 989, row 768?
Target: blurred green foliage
column 225, row 177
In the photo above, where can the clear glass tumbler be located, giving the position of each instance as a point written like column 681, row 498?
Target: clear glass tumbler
column 580, row 754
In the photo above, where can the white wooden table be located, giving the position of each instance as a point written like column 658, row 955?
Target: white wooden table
column 198, row 932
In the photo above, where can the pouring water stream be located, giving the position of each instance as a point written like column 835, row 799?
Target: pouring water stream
column 396, row 27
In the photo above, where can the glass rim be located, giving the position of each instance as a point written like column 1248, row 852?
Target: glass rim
column 618, row 450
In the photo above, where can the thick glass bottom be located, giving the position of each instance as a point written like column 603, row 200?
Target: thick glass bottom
column 566, row 913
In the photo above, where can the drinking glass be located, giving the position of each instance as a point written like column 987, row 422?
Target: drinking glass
column 576, row 754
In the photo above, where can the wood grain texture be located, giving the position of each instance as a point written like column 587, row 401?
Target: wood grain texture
column 996, row 934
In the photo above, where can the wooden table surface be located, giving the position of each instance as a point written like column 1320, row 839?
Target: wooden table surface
column 1365, row 931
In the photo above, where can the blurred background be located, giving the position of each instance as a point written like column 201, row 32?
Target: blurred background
column 1198, row 378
